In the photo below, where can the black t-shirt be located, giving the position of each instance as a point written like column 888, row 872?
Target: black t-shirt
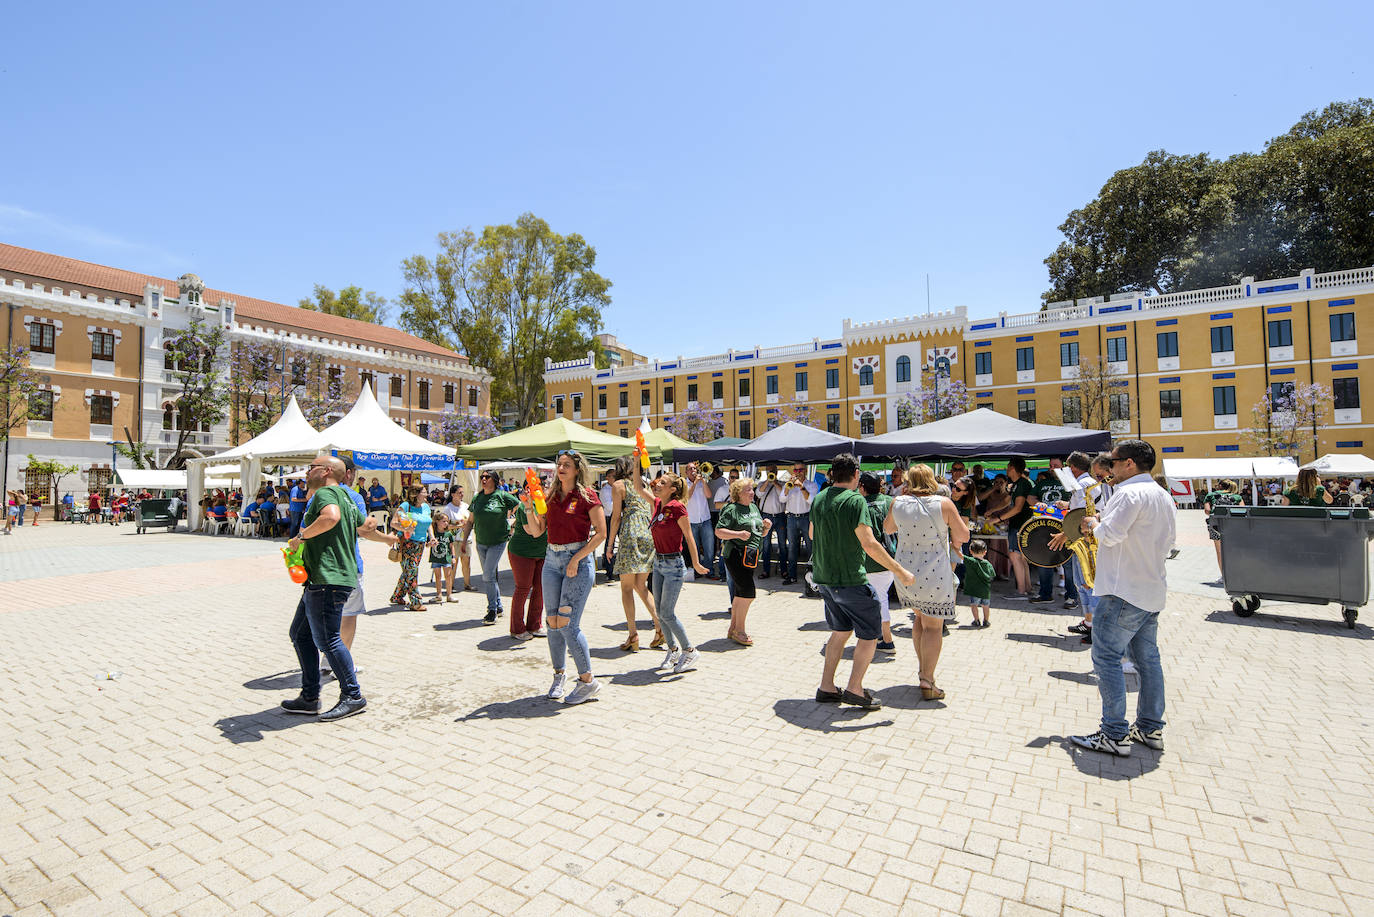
column 1022, row 488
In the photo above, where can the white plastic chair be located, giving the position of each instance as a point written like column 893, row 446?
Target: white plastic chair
column 244, row 526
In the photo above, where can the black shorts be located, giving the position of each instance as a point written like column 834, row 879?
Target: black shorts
column 741, row 576
column 853, row 608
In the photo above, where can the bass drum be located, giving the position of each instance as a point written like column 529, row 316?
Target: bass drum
column 1035, row 536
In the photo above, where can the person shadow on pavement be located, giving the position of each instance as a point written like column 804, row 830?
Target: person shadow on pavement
column 1096, row 764
column 522, row 708
column 253, row 727
column 808, row 714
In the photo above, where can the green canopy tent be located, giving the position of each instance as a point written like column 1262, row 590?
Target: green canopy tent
column 661, row 444
column 543, row 441
column 726, row 441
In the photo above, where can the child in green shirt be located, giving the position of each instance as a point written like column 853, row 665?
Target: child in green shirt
column 978, row 577
column 441, row 558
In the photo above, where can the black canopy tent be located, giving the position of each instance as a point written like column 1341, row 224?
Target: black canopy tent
column 789, row 442
column 982, row 433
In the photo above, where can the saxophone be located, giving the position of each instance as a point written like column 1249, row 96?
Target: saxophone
column 1085, row 548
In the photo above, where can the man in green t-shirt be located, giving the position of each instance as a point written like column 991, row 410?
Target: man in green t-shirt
column 841, row 538
column 328, row 533
column 1017, row 513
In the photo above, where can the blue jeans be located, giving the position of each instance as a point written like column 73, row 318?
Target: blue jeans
column 560, row 592
column 22, row 507
column 669, row 572
column 1085, row 594
column 797, row 524
column 777, row 533
column 489, row 556
column 1120, row 627
column 1047, row 575
column 704, row 534
column 296, row 516
column 315, row 630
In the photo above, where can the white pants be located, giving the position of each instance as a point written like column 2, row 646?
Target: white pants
column 880, row 581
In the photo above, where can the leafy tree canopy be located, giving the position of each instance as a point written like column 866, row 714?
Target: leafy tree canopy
column 1179, row 222
column 350, row 302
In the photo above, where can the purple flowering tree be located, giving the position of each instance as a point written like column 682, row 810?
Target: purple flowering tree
column 796, row 412
column 462, row 429
column 697, row 425
column 938, row 398
column 1281, row 420
column 262, row 377
column 18, row 382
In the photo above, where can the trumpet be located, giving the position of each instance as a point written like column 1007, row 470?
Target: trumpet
column 706, row 470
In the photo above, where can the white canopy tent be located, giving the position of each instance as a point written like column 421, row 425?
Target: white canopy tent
column 1251, row 469
column 1350, row 465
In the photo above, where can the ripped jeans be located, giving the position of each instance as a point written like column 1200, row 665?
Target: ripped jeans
column 560, row 592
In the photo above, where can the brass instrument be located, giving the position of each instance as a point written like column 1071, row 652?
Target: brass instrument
column 1084, row 548
column 1036, row 534
column 706, row 470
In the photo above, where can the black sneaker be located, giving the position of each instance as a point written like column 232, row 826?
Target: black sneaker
column 1071, row 603
column 1041, row 599
column 301, row 704
column 1082, row 628
column 347, row 706
column 490, row 618
column 1100, row 741
column 886, row 646
column 1153, row 739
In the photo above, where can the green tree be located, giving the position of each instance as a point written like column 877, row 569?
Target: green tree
column 193, row 357
column 17, row 383
column 509, row 298
column 350, row 302
column 1188, row 222
column 51, row 469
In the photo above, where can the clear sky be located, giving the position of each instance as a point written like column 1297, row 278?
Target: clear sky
column 749, row 173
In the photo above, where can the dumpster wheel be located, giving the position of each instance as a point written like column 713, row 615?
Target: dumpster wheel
column 1350, row 614
column 1244, row 606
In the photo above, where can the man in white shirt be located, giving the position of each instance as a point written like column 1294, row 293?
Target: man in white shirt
column 769, row 498
column 607, row 493
column 699, row 517
column 1134, row 534
column 1080, row 464
column 796, row 500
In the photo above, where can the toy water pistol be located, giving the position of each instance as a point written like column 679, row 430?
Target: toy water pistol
column 536, row 491
column 295, row 563
column 1047, row 509
column 641, row 450
column 406, row 525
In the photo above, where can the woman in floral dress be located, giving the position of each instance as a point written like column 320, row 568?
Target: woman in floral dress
column 411, row 522
column 633, row 554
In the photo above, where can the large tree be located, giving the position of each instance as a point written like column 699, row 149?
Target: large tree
column 509, row 298
column 350, row 302
column 18, row 382
column 193, row 355
column 264, row 376
column 1188, row 222
column 1282, row 420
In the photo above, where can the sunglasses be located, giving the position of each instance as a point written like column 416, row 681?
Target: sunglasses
column 571, row 453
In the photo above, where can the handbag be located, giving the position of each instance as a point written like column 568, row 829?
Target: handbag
column 394, row 554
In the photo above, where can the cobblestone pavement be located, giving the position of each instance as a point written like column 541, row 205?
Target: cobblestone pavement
column 146, row 767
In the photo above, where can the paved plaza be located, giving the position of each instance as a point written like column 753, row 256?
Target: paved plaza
column 145, row 767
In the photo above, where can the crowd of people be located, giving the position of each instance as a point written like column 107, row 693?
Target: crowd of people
column 113, row 507
column 909, row 542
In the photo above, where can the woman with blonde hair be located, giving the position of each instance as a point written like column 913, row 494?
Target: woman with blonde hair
column 1308, row 491
column 923, row 522
column 632, row 547
column 741, row 528
column 575, row 522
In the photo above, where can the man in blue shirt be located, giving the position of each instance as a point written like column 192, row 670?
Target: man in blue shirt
column 250, row 511
column 376, row 495
column 297, row 507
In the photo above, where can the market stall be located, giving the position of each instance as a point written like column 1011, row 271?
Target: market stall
column 982, row 433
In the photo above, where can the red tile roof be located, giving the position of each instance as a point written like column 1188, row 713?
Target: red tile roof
column 60, row 270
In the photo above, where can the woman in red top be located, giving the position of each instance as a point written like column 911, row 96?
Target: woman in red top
column 671, row 530
column 576, row 525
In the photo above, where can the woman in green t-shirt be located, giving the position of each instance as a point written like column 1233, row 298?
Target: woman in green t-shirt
column 489, row 518
column 1226, row 494
column 741, row 528
column 1308, row 491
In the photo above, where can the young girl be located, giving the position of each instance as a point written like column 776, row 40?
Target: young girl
column 441, row 558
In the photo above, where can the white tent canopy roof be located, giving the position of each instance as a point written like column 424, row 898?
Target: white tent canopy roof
column 1350, row 465
column 291, row 432
column 152, row 478
column 367, row 428
column 1216, row 468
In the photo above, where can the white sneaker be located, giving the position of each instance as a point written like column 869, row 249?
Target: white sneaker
column 585, row 690
column 1128, row 667
column 688, row 661
column 669, row 659
column 556, row 689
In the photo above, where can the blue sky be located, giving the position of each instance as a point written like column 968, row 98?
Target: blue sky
column 748, row 173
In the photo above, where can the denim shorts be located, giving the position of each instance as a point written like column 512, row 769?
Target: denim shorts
column 355, row 605
column 1013, row 539
column 853, row 608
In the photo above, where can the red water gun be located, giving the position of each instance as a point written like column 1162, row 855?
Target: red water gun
column 641, row 450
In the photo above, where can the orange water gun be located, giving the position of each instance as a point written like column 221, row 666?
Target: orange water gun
column 295, row 563
column 536, row 491
column 641, row 450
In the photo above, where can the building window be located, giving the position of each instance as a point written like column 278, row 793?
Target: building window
column 102, row 346
column 1223, row 399
column 772, row 382
column 1223, row 341
column 1343, row 326
column 1116, row 350
column 558, row 405
column 335, row 377
column 801, row 382
column 395, row 386
column 37, row 484
column 1280, row 395
column 577, row 404
column 366, row 380
column 1025, row 359
column 866, row 375
column 1170, row 402
column 624, row 399
column 424, row 396
column 1281, row 333
column 667, row 394
column 744, row 386
column 601, row 401
column 1068, row 354
column 102, row 409
column 1119, row 406
column 167, row 417
column 472, row 397
column 832, row 423
column 1072, row 408
column 298, row 370
column 904, row 369
column 832, row 378
column 771, row 421
column 1347, row 392
column 866, row 423
column 42, row 337
column 982, row 363
column 40, row 405
column 100, row 479
column 691, row 391
column 717, row 389
column 624, row 432
column 1025, row 410
column 1166, row 343
column 448, row 394
column 745, row 429
column 423, row 429
column 644, row 397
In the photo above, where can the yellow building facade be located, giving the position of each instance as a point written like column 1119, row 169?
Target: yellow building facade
column 1184, row 369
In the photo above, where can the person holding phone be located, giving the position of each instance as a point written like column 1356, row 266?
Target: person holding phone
column 741, row 528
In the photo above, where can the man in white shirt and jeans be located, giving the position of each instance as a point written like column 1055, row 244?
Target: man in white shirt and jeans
column 699, row 517
column 1134, row 534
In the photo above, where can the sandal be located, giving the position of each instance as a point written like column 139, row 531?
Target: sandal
column 932, row 692
column 741, row 639
column 631, row 644
column 658, row 641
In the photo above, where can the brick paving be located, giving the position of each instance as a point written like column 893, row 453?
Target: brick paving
column 176, row 787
